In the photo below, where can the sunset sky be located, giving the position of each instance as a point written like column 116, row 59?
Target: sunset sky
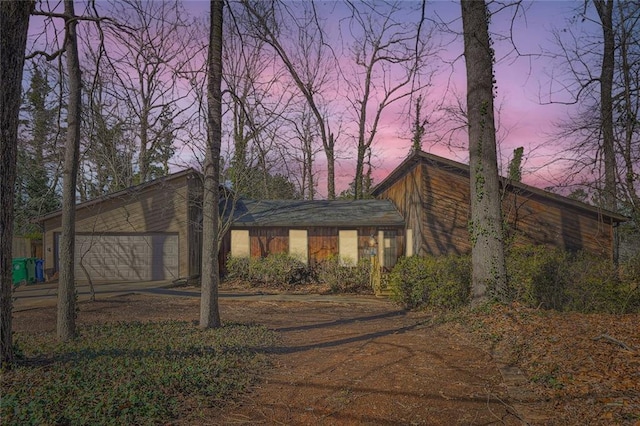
column 522, row 81
column 523, row 85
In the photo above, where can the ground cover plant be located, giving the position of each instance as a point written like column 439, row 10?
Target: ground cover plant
column 130, row 373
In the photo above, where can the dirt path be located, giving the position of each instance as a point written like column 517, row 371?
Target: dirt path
column 337, row 363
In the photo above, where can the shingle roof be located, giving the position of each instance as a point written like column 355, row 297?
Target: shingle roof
column 340, row 213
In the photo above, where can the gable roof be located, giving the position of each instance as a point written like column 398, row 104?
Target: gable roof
column 305, row 213
column 129, row 192
column 460, row 168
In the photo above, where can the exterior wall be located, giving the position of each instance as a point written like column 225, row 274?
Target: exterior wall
column 442, row 199
column 161, row 208
column 435, row 203
column 409, row 199
column 531, row 219
column 323, row 242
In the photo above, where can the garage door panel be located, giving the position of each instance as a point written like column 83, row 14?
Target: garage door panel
column 128, row 257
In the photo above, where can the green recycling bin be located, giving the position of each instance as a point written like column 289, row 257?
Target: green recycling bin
column 24, row 270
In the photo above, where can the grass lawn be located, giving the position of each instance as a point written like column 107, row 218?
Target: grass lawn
column 130, row 373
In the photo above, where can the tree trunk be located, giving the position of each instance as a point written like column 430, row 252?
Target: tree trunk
column 605, row 12
column 14, row 23
column 210, row 279
column 485, row 228
column 66, row 327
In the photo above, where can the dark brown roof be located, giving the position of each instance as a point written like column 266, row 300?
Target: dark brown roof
column 444, row 163
column 304, row 213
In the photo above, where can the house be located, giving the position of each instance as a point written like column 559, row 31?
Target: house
column 432, row 194
column 316, row 230
column 152, row 231
column 147, row 232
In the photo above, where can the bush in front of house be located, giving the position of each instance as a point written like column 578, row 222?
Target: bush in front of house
column 537, row 276
column 275, row 270
column 550, row 278
column 345, row 277
column 598, row 285
column 442, row 281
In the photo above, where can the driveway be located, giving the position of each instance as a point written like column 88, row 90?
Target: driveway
column 45, row 294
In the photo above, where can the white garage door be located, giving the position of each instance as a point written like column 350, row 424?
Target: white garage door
column 148, row 257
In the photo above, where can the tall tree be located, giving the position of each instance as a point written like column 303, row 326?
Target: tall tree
column 388, row 53
column 418, row 125
column 37, row 165
column 14, row 24
column 598, row 74
column 150, row 47
column 66, row 327
column 605, row 12
column 485, row 227
column 210, row 277
column 309, row 71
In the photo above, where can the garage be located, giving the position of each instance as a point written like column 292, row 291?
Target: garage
column 147, row 232
column 132, row 257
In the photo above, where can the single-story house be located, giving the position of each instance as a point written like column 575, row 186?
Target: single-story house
column 432, row 194
column 146, row 232
column 152, row 231
column 315, row 230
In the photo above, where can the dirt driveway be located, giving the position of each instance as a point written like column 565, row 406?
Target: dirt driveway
column 343, row 361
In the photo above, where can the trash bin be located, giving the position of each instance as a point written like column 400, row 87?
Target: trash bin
column 39, row 270
column 23, row 270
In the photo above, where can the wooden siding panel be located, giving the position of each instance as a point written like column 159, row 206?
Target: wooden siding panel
column 408, row 197
column 435, row 203
column 323, row 243
column 531, row 220
column 265, row 241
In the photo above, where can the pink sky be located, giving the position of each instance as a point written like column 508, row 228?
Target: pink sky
column 519, row 81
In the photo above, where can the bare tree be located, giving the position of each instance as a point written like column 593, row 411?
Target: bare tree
column 209, row 312
column 66, row 327
column 485, row 227
column 150, row 46
column 596, row 75
column 308, row 71
column 629, row 105
column 388, row 56
column 605, row 12
column 14, row 23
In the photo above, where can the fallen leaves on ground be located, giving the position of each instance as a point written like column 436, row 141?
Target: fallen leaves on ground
column 585, row 368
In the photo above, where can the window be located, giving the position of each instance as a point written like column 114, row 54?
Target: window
column 298, row 244
column 348, row 247
column 240, row 243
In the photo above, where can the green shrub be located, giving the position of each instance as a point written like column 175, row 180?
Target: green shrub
column 344, row 277
column 442, row 281
column 595, row 286
column 629, row 272
column 275, row 270
column 537, row 276
column 238, row 268
column 551, row 278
